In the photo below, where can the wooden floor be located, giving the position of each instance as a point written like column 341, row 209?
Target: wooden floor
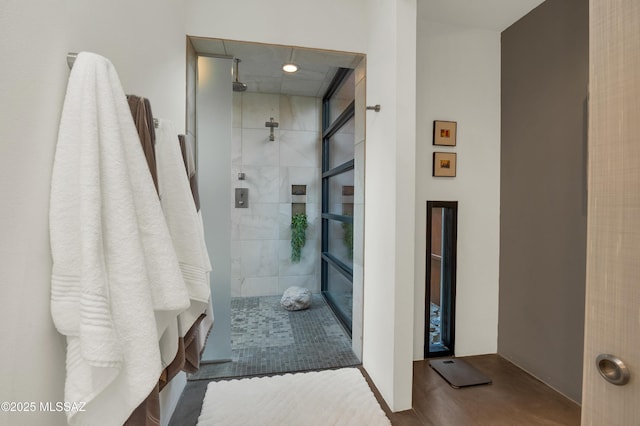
column 514, row 398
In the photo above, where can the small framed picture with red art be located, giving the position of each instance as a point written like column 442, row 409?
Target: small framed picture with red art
column 444, row 133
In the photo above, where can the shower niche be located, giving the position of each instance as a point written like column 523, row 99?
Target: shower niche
column 298, row 199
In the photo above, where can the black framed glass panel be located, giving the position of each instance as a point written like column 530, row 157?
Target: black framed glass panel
column 342, row 97
column 338, row 149
column 341, row 242
column 339, row 291
column 342, row 144
column 341, row 189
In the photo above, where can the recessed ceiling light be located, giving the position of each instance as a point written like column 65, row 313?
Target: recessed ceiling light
column 290, row 68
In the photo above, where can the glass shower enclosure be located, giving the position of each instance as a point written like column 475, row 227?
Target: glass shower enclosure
column 338, row 110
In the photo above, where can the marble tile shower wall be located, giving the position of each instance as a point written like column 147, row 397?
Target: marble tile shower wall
column 260, row 234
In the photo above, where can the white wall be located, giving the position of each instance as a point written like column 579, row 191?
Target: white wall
column 330, row 24
column 389, row 200
column 459, row 80
column 146, row 43
column 33, row 44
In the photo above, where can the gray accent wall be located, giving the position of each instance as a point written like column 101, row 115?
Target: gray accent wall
column 543, row 193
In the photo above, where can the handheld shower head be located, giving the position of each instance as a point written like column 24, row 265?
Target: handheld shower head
column 237, row 85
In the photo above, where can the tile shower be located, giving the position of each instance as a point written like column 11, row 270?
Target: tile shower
column 260, row 233
column 265, row 338
column 252, row 242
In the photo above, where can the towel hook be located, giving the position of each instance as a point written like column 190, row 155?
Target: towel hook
column 71, row 59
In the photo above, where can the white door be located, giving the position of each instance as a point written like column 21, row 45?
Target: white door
column 613, row 242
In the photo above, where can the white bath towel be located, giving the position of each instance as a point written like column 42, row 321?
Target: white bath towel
column 116, row 283
column 185, row 225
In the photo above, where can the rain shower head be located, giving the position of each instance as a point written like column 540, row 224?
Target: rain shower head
column 238, row 86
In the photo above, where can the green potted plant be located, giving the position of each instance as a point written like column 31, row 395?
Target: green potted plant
column 347, row 238
column 298, row 235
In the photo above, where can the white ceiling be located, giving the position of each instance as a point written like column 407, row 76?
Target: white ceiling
column 495, row 15
column 261, row 65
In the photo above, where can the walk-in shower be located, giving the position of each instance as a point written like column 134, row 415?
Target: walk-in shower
column 254, row 334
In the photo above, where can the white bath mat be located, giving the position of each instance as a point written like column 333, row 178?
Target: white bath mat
column 322, row 398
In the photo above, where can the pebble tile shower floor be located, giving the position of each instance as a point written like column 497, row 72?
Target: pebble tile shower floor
column 267, row 339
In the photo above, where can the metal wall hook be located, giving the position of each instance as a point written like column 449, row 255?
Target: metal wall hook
column 71, row 58
column 375, row 108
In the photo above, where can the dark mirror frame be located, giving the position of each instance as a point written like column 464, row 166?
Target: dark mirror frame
column 448, row 295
